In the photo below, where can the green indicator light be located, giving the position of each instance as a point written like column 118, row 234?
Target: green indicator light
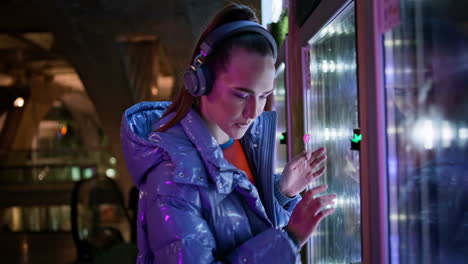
column 75, row 173
column 356, row 138
column 283, row 138
column 88, row 173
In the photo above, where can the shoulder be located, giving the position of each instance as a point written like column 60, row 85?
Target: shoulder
column 182, row 162
column 163, row 180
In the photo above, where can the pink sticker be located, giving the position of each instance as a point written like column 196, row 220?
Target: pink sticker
column 306, row 138
column 389, row 14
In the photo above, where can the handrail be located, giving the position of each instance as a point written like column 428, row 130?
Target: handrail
column 60, row 156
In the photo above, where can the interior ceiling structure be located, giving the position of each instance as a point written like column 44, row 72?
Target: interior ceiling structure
column 32, row 31
column 84, row 44
column 81, row 45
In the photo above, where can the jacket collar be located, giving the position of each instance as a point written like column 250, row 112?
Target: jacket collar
column 197, row 155
column 219, row 170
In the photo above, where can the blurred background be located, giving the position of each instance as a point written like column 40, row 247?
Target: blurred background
column 68, row 70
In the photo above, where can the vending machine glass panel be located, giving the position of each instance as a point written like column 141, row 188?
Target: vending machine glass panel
column 426, row 91
column 331, row 113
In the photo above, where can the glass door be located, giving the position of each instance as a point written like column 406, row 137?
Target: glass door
column 331, row 113
column 426, row 89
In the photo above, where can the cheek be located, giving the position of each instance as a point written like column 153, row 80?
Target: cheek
column 212, row 96
column 230, row 110
column 222, row 109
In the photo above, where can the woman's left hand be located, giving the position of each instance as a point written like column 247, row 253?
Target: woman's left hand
column 301, row 171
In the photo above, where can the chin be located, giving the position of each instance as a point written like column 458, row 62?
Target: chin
column 237, row 134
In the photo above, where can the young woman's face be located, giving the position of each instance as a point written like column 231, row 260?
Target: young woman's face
column 239, row 94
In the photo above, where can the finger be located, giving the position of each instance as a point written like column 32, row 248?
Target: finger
column 327, row 197
column 322, row 214
column 318, row 173
column 316, row 162
column 319, row 203
column 318, row 152
column 309, row 195
column 327, row 200
column 322, row 201
column 319, row 217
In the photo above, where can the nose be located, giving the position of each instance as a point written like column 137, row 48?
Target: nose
column 251, row 110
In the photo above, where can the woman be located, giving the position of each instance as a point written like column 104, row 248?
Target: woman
column 204, row 167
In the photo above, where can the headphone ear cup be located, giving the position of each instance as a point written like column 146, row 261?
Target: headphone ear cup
column 206, row 79
column 198, row 79
column 201, row 82
column 191, row 82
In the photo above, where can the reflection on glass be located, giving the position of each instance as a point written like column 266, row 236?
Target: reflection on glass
column 279, row 107
column 426, row 70
column 331, row 116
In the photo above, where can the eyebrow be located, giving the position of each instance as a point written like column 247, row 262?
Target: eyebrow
column 252, row 92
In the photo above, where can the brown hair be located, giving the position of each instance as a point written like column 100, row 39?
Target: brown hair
column 219, row 57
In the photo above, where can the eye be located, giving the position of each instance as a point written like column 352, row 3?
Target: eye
column 264, row 97
column 241, row 96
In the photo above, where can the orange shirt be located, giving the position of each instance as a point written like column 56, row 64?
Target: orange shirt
column 236, row 156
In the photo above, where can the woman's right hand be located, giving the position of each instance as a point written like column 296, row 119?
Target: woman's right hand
column 309, row 212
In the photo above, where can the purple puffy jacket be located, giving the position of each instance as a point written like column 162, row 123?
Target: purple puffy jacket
column 195, row 207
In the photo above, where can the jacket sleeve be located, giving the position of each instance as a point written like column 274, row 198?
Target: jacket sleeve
column 177, row 232
column 284, row 205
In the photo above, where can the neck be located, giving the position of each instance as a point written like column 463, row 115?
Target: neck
column 219, row 135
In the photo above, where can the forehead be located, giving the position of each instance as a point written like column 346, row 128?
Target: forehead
column 248, row 69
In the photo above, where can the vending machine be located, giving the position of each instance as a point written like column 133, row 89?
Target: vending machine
column 331, row 120
column 385, row 91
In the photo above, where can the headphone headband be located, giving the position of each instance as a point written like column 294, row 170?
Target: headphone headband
column 198, row 78
column 232, row 28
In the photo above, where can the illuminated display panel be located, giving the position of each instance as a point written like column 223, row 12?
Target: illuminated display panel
column 427, row 123
column 279, row 106
column 331, row 116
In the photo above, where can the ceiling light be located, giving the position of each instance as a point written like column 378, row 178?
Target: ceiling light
column 19, row 102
